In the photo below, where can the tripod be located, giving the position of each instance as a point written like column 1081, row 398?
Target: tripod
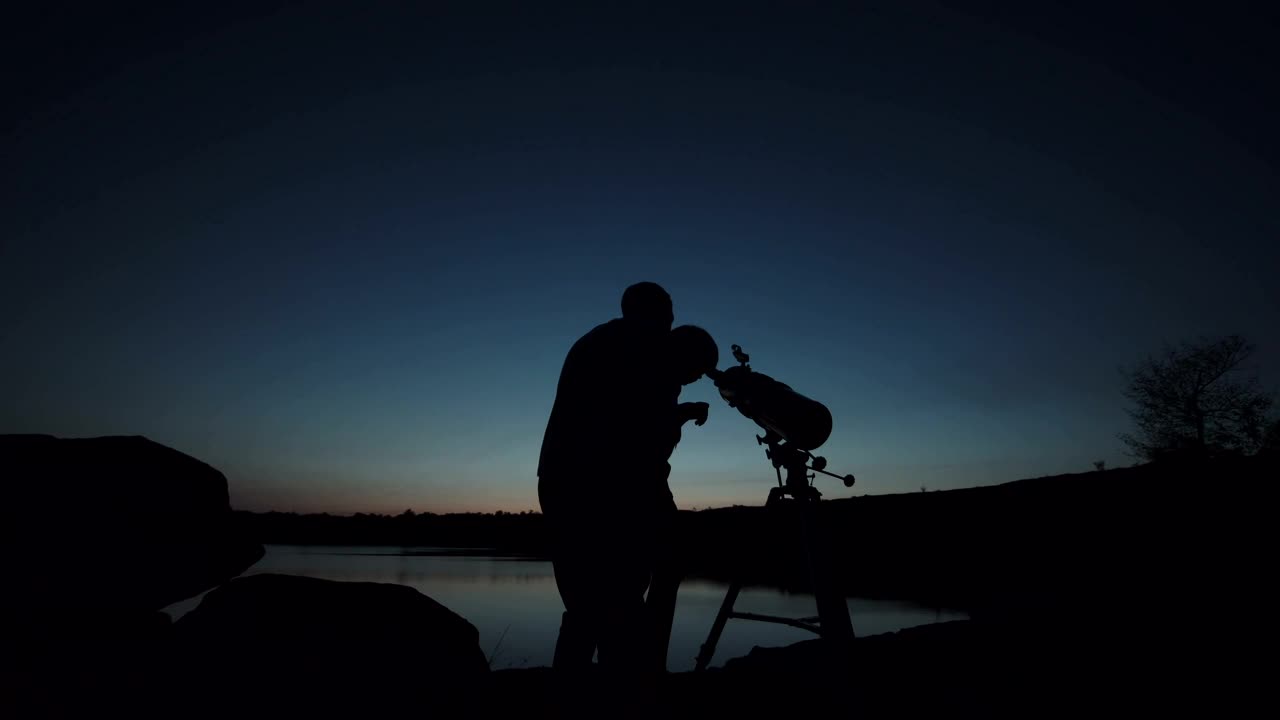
column 801, row 498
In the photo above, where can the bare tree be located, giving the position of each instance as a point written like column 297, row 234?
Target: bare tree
column 1197, row 397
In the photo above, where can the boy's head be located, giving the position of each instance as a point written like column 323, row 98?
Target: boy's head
column 693, row 353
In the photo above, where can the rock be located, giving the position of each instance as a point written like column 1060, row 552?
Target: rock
column 116, row 523
column 86, row 663
column 289, row 641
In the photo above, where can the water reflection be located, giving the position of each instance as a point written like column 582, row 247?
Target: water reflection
column 514, row 604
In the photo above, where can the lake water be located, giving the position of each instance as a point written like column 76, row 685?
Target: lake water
column 514, row 604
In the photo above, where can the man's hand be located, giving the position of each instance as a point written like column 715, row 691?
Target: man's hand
column 697, row 412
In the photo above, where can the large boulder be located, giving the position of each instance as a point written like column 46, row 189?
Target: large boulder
column 85, row 663
column 114, row 523
column 301, row 643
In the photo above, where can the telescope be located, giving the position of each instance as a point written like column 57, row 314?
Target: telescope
column 794, row 426
column 803, row 423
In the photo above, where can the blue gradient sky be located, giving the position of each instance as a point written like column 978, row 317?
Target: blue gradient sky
column 340, row 257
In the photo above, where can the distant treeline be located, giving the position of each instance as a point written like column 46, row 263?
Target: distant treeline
column 1046, row 545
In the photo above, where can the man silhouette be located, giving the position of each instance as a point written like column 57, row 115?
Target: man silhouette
column 604, row 457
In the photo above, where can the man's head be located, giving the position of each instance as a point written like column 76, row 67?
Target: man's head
column 647, row 304
column 693, row 353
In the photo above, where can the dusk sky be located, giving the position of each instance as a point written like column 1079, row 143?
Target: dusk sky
column 340, row 253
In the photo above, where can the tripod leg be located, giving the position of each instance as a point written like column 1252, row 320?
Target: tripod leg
column 709, row 647
column 833, row 611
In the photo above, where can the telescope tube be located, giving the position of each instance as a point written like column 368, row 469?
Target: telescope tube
column 803, row 422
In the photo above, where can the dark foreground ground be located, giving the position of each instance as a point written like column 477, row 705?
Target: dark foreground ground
column 955, row 669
